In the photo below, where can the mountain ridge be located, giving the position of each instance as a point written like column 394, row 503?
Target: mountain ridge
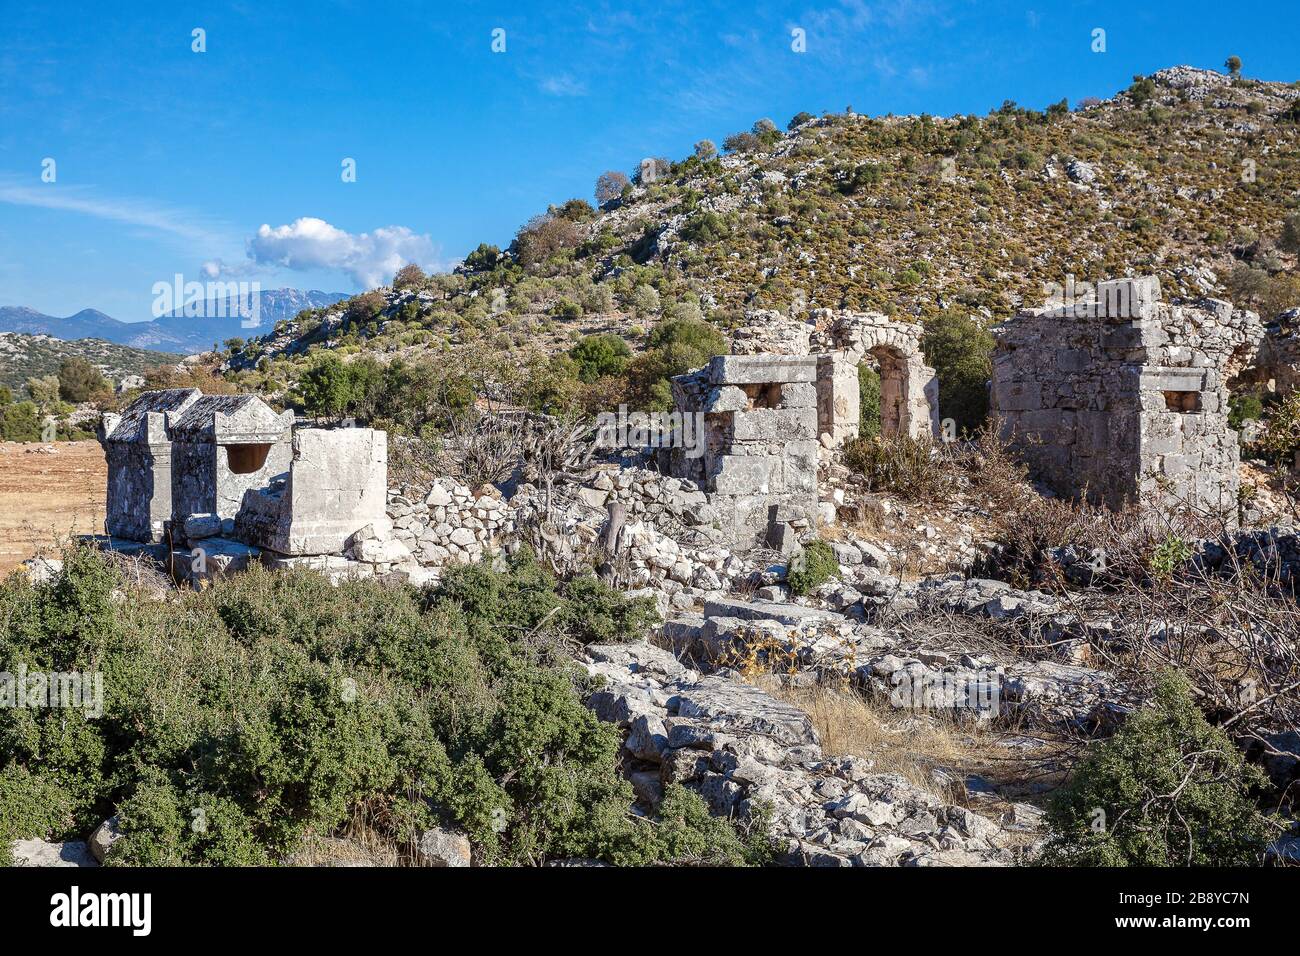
column 171, row 333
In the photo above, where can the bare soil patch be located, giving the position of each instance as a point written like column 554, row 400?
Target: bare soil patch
column 48, row 491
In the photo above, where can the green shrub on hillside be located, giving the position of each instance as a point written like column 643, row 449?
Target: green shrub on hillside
column 270, row 706
column 1167, row 790
column 674, row 348
column 600, row 355
column 811, row 568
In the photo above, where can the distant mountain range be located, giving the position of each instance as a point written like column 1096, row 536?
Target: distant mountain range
column 172, row 333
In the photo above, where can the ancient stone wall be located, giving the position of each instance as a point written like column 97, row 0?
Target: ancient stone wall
column 909, row 389
column 1124, row 397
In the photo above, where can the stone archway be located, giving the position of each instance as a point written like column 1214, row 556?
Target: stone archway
column 909, row 389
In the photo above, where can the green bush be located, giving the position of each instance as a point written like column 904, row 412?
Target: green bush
column 811, row 568
column 1167, row 790
column 600, row 355
column 868, row 402
column 1244, row 407
column 674, row 348
column 272, row 706
column 960, row 351
column 20, row 421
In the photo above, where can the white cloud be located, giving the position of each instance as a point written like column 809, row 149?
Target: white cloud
column 563, row 85
column 134, row 212
column 309, row 244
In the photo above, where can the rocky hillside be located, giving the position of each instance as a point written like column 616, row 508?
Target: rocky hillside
column 26, row 356
column 1189, row 174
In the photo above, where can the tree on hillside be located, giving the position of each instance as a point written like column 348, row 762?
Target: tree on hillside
column 705, row 150
column 43, row 390
column 544, row 236
column 365, row 307
column 610, row 185
column 79, row 381
column 1289, row 241
column 410, row 276
column 326, row 387
column 1233, row 65
column 484, row 258
column 741, row 143
column 574, row 210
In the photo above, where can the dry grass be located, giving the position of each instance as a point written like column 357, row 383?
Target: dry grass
column 358, row 844
column 928, row 748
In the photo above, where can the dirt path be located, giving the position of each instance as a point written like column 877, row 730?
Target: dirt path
column 48, row 494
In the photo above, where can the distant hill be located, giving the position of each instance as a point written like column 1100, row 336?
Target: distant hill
column 1188, row 174
column 174, row 333
column 23, row 356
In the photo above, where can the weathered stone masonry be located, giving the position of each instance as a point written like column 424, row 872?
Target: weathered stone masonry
column 789, row 390
column 1125, row 396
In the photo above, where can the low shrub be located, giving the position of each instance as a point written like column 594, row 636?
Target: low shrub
column 811, row 568
column 911, row 467
column 1167, row 790
column 241, row 720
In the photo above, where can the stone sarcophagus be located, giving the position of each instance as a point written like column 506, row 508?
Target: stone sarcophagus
column 336, row 485
column 177, row 453
column 223, row 445
column 138, row 448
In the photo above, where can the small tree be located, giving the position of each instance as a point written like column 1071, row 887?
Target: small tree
column 645, row 300
column 741, row 143
column 1289, row 241
column 1233, row 65
column 705, row 150
column 484, row 258
column 364, row 307
column 43, row 389
column 326, row 387
column 960, row 350
column 79, row 381
column 20, row 421
column 545, row 236
column 410, row 276
column 1167, row 790
column 798, row 119
column 610, row 185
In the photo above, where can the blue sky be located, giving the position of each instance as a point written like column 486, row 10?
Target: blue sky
column 167, row 159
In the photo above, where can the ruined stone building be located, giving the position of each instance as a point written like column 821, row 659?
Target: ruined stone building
column 789, row 390
column 1123, row 396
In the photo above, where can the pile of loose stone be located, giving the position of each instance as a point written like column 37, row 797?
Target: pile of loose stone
column 745, row 752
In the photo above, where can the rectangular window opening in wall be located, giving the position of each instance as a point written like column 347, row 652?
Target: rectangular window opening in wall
column 1183, row 401
column 246, row 459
